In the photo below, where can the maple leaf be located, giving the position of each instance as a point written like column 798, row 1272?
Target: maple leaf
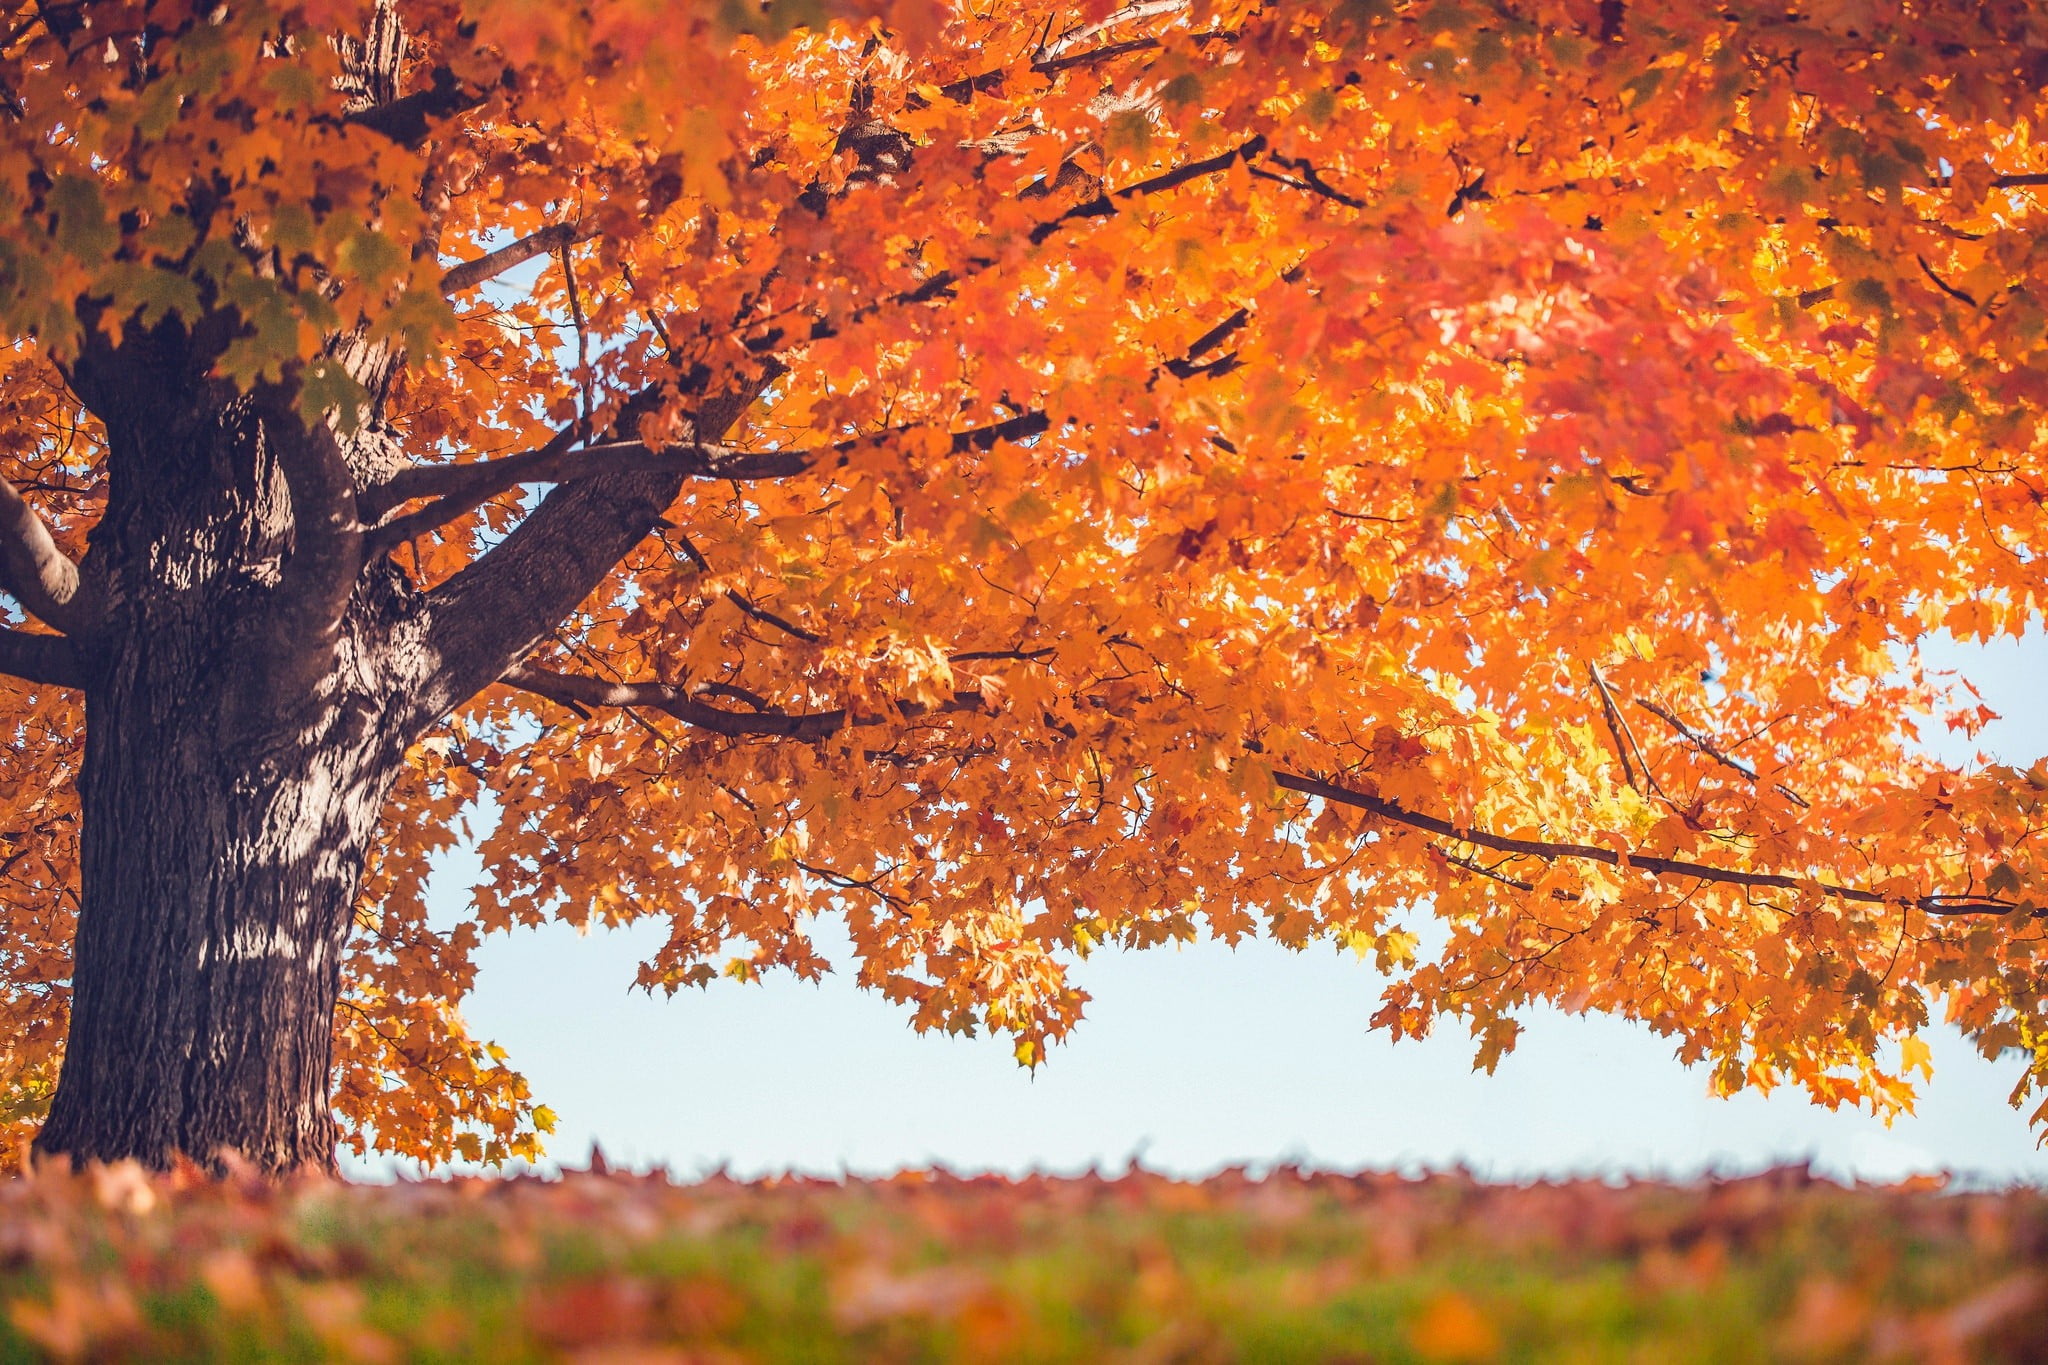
column 1013, row 481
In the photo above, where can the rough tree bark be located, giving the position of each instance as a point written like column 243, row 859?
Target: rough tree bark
column 218, row 883
column 229, row 651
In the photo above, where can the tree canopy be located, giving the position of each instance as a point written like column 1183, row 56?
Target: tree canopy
column 1188, row 467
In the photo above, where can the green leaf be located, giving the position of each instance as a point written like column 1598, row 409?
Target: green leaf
column 1638, row 91
column 151, row 294
column 328, row 387
column 1872, row 294
column 83, row 227
column 420, row 319
column 371, row 257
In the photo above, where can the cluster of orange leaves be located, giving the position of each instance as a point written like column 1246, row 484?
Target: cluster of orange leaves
column 111, row 1264
column 1561, row 419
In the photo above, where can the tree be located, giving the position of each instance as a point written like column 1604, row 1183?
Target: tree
column 1019, row 481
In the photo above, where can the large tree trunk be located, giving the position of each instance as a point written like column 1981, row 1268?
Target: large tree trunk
column 252, row 683
column 237, row 753
column 217, row 893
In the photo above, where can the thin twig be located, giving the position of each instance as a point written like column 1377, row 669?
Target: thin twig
column 1705, row 746
column 1617, row 726
column 582, row 339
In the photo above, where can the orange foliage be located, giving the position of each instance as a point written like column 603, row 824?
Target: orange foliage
column 1211, row 467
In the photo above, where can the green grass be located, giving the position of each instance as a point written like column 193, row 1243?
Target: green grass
column 1293, row 1267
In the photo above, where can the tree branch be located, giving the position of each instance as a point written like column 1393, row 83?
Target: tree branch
column 1073, row 38
column 469, row 486
column 1065, row 53
column 767, row 617
column 1612, row 14
column 942, row 284
column 34, row 571
column 571, row 688
column 490, row 614
column 576, row 319
column 1022, row 656
column 48, row 659
column 409, row 120
column 469, row 630
column 327, row 554
column 1104, row 205
column 1705, row 746
column 492, row 264
column 1624, row 738
column 1656, row 866
column 460, row 488
column 1188, row 366
column 1311, row 180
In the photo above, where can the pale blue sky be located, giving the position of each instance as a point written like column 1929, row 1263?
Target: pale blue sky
column 1190, row 1059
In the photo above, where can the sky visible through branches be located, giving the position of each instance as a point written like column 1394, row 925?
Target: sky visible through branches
column 1188, row 1061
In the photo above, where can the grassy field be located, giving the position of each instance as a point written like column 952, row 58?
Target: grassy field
column 1292, row 1267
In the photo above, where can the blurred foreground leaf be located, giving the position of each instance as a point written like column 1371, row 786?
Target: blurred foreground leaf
column 113, row 1265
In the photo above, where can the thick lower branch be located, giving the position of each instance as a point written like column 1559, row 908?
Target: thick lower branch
column 568, row 688
column 34, row 571
column 471, row 485
column 581, row 691
column 33, row 658
column 1642, row 862
column 458, row 489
